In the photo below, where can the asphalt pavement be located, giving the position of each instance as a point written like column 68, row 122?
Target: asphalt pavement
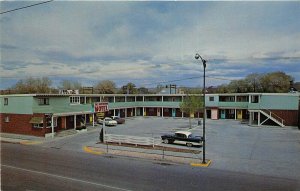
column 25, row 167
column 231, row 146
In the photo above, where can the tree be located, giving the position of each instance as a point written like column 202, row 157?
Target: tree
column 191, row 104
column 276, row 82
column 195, row 90
column 129, row 88
column 69, row 85
column 253, row 82
column 222, row 89
column 105, row 87
column 143, row 90
column 33, row 85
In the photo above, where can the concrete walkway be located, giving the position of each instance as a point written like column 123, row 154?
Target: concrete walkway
column 16, row 138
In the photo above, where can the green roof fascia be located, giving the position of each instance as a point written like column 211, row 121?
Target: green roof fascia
column 279, row 102
column 63, row 109
column 117, row 105
column 16, row 104
column 240, row 105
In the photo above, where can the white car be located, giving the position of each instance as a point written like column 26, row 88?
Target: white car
column 108, row 121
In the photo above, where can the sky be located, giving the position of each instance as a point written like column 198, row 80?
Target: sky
column 148, row 43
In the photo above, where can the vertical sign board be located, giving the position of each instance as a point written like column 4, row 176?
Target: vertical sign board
column 100, row 107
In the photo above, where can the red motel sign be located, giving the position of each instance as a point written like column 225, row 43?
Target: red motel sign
column 101, row 107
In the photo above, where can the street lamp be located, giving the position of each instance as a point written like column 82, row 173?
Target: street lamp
column 197, row 56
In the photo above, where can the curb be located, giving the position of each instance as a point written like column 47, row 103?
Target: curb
column 208, row 162
column 30, row 142
column 153, row 156
column 92, row 150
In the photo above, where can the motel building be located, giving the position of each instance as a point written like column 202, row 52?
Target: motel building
column 48, row 114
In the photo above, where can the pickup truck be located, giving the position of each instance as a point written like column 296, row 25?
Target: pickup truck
column 182, row 137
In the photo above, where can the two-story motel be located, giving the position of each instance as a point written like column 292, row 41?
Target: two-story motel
column 46, row 114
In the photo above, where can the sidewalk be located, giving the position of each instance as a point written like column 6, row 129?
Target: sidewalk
column 19, row 139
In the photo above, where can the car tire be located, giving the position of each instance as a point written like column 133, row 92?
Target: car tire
column 166, row 141
column 189, row 144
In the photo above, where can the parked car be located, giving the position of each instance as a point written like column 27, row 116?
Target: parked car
column 182, row 137
column 118, row 119
column 108, row 121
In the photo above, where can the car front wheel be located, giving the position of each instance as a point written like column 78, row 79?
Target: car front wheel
column 166, row 141
column 189, row 144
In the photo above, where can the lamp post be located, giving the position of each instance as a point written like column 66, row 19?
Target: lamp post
column 197, row 56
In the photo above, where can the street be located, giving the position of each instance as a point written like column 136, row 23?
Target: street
column 231, row 146
column 39, row 168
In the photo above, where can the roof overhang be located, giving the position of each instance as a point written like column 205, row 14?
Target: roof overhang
column 36, row 120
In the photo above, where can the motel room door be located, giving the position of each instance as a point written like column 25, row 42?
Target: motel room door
column 223, row 114
column 239, row 114
column 173, row 112
column 214, row 114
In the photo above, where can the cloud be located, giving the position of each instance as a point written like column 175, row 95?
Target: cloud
column 149, row 41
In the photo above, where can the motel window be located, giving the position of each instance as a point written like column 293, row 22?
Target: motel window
column 254, row 99
column 37, row 122
column 6, row 119
column 48, row 121
column 38, row 125
column 5, row 101
column 43, row 101
column 75, row 100
column 211, row 99
column 82, row 100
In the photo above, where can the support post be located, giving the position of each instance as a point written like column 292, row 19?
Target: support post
column 52, row 126
column 75, row 122
column 104, row 132
column 234, row 114
column 258, row 122
column 93, row 119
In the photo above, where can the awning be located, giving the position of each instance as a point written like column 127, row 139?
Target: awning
column 36, row 120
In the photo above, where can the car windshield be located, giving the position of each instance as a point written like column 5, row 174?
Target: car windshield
column 180, row 135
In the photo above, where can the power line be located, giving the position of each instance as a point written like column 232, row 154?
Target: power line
column 25, row 7
column 183, row 79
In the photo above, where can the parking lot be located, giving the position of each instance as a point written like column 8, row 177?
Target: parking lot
column 153, row 127
column 231, row 145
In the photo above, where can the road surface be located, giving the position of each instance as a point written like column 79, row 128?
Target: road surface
column 26, row 167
